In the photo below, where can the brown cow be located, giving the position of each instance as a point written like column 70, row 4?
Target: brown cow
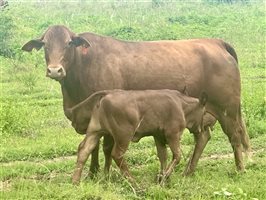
column 129, row 116
column 85, row 63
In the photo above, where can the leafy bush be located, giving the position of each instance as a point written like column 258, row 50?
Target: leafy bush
column 29, row 80
column 6, row 32
column 14, row 120
column 125, row 32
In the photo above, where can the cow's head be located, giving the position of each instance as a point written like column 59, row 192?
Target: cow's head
column 59, row 45
column 195, row 117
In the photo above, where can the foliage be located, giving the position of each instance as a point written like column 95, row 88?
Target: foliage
column 6, row 34
column 14, row 120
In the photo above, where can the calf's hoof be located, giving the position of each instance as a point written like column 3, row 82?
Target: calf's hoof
column 75, row 179
column 75, row 182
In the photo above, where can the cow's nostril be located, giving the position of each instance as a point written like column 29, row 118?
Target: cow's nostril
column 60, row 70
column 55, row 72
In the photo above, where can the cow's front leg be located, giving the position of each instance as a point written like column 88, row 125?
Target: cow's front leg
column 108, row 144
column 94, row 167
column 162, row 155
column 201, row 140
column 84, row 150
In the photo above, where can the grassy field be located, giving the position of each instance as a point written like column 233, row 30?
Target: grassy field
column 38, row 144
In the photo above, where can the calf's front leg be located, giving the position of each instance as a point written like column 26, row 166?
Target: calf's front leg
column 201, row 139
column 84, row 150
column 162, row 155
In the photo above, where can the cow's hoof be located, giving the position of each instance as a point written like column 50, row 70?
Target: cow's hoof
column 91, row 175
column 187, row 172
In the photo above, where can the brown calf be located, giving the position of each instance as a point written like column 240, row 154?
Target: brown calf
column 129, row 116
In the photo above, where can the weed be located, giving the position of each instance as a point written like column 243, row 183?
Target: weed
column 14, row 121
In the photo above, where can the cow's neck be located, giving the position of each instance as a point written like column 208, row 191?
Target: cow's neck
column 70, row 91
column 72, row 88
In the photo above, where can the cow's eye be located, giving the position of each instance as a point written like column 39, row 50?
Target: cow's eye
column 70, row 43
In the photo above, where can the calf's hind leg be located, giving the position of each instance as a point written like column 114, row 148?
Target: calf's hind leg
column 84, row 150
column 173, row 141
column 118, row 152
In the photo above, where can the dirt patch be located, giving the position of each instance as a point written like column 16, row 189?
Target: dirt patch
column 229, row 155
column 53, row 160
column 65, row 158
column 5, row 185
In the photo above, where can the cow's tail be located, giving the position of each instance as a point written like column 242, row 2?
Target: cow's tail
column 230, row 50
column 244, row 135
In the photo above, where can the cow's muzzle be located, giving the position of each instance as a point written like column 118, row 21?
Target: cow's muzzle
column 56, row 72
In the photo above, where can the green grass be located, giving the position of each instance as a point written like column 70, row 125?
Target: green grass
column 38, row 142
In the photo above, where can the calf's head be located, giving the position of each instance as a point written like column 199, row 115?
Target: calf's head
column 59, row 45
column 195, row 117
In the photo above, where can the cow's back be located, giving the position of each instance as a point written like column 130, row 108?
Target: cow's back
column 193, row 64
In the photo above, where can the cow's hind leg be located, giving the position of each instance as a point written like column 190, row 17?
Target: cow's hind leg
column 108, row 144
column 236, row 134
column 84, row 150
column 162, row 155
column 201, row 140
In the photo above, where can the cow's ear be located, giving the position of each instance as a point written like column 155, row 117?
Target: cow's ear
column 203, row 98
column 80, row 41
column 33, row 44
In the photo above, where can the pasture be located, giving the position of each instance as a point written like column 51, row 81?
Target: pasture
column 38, row 144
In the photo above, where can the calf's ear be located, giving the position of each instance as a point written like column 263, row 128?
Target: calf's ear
column 33, row 44
column 203, row 98
column 80, row 41
column 184, row 91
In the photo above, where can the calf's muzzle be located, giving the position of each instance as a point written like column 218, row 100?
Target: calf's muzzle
column 56, row 72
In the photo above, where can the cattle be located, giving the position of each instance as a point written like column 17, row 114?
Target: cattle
column 130, row 115
column 85, row 63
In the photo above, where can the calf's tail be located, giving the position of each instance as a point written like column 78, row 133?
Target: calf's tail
column 87, row 104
